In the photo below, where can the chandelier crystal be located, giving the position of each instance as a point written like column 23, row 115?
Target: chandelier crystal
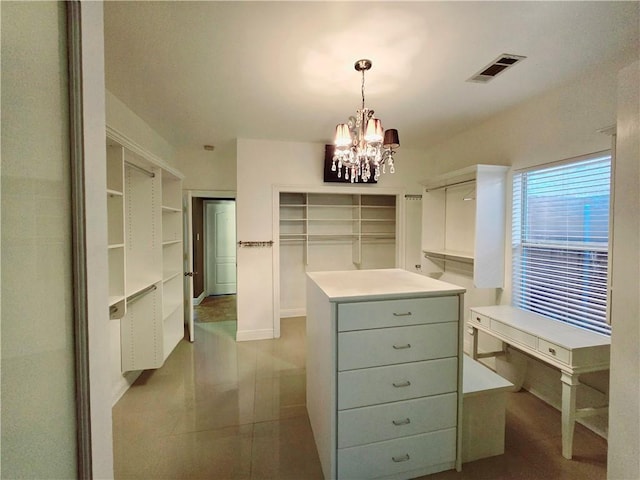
column 362, row 147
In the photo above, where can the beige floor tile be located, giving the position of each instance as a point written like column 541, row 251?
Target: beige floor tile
column 218, row 406
column 280, row 397
column 285, row 450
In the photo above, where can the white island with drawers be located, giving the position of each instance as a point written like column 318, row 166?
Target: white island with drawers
column 384, row 373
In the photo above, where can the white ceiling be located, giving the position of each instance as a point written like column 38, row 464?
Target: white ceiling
column 208, row 72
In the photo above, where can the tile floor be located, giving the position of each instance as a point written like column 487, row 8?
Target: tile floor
column 219, row 409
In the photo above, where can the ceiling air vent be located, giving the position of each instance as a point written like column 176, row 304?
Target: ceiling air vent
column 496, row 67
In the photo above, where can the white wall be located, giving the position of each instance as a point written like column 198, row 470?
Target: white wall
column 262, row 164
column 123, row 120
column 559, row 124
column 205, row 170
column 624, row 413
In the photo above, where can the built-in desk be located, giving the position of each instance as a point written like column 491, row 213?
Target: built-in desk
column 571, row 349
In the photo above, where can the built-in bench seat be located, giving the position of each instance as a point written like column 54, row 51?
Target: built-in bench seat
column 483, row 417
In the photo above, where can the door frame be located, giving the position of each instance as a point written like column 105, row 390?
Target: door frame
column 188, row 195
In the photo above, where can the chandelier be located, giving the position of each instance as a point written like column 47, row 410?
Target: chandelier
column 362, row 147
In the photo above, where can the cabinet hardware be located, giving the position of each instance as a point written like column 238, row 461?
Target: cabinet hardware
column 397, row 423
column 403, row 458
column 188, row 274
column 406, row 314
column 401, row 347
column 552, row 351
column 403, row 384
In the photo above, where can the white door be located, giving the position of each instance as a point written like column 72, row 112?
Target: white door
column 220, row 246
column 188, row 264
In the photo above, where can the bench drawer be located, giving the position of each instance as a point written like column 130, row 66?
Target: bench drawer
column 388, row 346
column 480, row 319
column 372, row 386
column 396, row 313
column 513, row 333
column 554, row 351
column 360, row 426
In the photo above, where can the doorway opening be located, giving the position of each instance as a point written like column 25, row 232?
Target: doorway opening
column 214, row 260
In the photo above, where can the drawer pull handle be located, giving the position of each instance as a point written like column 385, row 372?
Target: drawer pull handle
column 403, row 384
column 397, row 423
column 405, row 314
column 478, row 319
column 552, row 351
column 403, row 458
column 402, row 347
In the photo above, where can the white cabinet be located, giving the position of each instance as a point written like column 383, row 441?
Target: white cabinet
column 384, row 373
column 463, row 223
column 145, row 257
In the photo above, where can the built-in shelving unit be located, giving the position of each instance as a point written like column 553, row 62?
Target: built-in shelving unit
column 319, row 218
column 463, row 223
column 144, row 202
column 332, row 231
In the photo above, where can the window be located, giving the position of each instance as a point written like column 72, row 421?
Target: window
column 560, row 241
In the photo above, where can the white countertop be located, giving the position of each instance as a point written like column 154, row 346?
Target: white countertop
column 479, row 379
column 353, row 285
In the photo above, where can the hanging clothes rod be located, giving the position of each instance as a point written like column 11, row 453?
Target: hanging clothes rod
column 455, row 184
column 140, row 169
column 140, row 294
column 268, row 243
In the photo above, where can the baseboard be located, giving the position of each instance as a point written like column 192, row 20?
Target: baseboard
column 128, row 379
column 246, row 335
column 293, row 312
column 198, row 300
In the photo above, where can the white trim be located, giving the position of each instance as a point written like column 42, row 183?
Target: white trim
column 262, row 334
column 198, row 301
column 212, row 193
column 130, row 144
column 566, row 161
column 293, row 312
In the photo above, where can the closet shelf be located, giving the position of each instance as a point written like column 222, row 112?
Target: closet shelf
column 170, row 242
column 115, row 299
column 466, row 257
column 170, row 210
column 114, row 193
column 115, row 245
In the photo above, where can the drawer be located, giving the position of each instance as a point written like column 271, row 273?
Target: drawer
column 372, row 386
column 514, row 334
column 480, row 319
column 360, row 426
column 396, row 313
column 554, row 351
column 387, row 346
column 393, row 457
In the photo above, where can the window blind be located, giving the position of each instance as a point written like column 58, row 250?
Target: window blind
column 560, row 241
